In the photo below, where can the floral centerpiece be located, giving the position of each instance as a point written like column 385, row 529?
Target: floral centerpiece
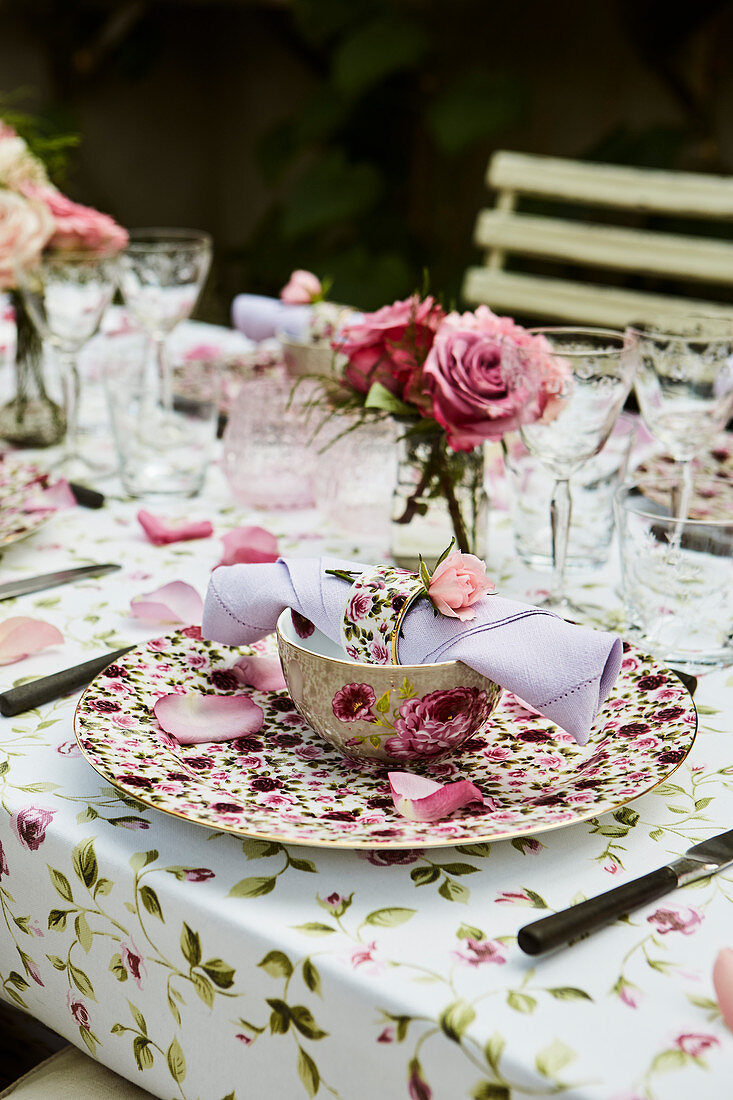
column 37, row 219
column 453, row 381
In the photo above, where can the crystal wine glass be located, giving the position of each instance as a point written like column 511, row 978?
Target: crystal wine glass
column 598, row 372
column 684, row 384
column 161, row 273
column 66, row 294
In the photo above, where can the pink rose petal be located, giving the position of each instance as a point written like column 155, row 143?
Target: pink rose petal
column 263, row 672
column 159, row 532
column 248, row 545
column 176, row 602
column 196, row 719
column 723, row 983
column 420, row 799
column 53, row 499
column 20, row 637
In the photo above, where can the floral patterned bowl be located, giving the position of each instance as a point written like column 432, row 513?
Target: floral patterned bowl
column 394, row 713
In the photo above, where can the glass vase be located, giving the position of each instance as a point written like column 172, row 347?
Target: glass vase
column 439, row 496
column 30, row 418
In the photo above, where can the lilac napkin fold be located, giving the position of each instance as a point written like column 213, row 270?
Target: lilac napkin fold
column 563, row 671
column 260, row 317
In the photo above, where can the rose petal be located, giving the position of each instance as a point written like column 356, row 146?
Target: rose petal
column 263, row 672
column 159, row 532
column 53, row 499
column 723, row 983
column 247, row 546
column 420, row 799
column 176, row 602
column 20, row 637
column 195, row 719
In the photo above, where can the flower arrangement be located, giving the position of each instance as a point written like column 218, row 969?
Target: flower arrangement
column 36, row 218
column 453, row 381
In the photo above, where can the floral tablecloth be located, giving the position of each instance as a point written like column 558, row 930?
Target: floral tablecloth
column 202, row 965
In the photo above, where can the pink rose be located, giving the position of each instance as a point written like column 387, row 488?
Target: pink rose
column 457, row 583
column 478, row 952
column 302, row 288
column 390, row 347
column 30, row 824
column 78, row 228
column 25, row 227
column 696, row 1045
column 437, row 722
column 133, row 963
column 486, row 376
column 354, row 702
column 18, row 165
column 78, row 1009
column 672, row 920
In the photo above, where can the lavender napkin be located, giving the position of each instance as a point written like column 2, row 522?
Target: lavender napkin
column 260, row 317
column 563, row 671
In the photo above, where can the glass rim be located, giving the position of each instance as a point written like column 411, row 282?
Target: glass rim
column 656, row 332
column 624, row 492
column 144, row 239
column 581, row 331
column 67, row 256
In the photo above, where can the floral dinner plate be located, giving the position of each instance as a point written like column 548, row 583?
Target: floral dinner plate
column 17, row 480
column 287, row 784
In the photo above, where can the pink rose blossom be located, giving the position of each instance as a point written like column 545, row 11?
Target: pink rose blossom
column 29, row 825
column 695, row 1045
column 25, row 228
column 78, row 1009
column 353, row 703
column 78, row 228
column 457, row 583
column 478, row 952
column 486, row 376
column 133, row 963
column 518, row 897
column 390, row 347
column 437, row 722
column 630, row 995
column 302, row 288
column 672, row 920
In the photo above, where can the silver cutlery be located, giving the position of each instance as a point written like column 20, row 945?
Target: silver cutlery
column 36, row 692
column 22, row 587
column 699, row 861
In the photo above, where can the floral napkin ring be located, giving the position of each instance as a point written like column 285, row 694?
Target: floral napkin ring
column 376, row 605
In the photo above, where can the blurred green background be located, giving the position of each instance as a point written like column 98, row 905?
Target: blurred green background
column 351, row 137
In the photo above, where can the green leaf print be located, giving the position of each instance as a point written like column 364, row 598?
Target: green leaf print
column 57, row 919
column 389, row 918
column 458, row 868
column 252, row 887
column 308, row 1072
column 279, row 1017
column 453, row 891
column 83, row 933
column 303, row 865
column 382, row 703
column 493, row 1051
column 669, row 1060
column 302, row 1018
column 144, row 1056
column 311, row 977
column 553, row 1058
column 480, row 850
column 138, row 1017
column 176, row 1062
column 204, row 988
column 423, row 876
column 149, row 899
column 314, row 928
column 142, row 859
column 456, row 1018
column 220, row 973
column 61, row 883
column 56, row 962
column 190, row 945
column 468, row 932
column 276, row 964
column 116, row 967
column 569, row 993
column 85, row 862
column 521, row 1002
column 81, row 981
column 487, row 1090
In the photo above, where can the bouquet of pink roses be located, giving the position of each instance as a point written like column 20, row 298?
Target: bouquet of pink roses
column 35, row 219
column 455, row 380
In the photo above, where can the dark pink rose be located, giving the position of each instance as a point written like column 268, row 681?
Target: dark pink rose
column 30, row 824
column 386, row 1036
column 391, row 859
column 672, row 920
column 78, row 228
column 198, row 874
column 436, row 722
column 360, row 605
column 696, row 1045
column 353, row 703
column 192, row 632
column 78, row 1010
column 390, row 347
column 486, row 376
column 4, row 869
column 133, row 963
column 417, row 1086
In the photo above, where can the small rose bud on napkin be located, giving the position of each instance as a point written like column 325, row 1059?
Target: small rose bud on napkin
column 458, row 582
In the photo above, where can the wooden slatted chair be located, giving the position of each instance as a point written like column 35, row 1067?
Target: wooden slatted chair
column 625, row 251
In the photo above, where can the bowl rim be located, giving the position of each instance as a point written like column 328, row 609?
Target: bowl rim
column 347, row 664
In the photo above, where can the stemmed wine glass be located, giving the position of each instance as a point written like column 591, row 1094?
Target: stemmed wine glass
column 66, row 294
column 161, row 273
column 597, row 372
column 684, row 384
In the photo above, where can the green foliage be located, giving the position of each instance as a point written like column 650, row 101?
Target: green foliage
column 49, row 137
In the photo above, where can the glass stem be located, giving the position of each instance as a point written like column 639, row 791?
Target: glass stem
column 163, row 373
column 684, row 496
column 560, row 511
column 70, row 390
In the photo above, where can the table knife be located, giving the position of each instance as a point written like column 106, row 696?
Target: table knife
column 21, row 587
column 36, row 692
column 700, row 861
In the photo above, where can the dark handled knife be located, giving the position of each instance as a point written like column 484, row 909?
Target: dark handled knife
column 36, row 692
column 22, row 587
column 700, row 861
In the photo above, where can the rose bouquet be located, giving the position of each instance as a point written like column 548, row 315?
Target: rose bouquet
column 37, row 219
column 453, row 381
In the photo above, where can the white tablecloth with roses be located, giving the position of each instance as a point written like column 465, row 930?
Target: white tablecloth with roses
column 202, row 965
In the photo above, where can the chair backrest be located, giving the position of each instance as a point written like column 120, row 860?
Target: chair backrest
column 625, row 251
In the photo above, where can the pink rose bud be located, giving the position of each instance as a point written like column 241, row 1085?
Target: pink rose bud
column 457, row 583
column 302, row 288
